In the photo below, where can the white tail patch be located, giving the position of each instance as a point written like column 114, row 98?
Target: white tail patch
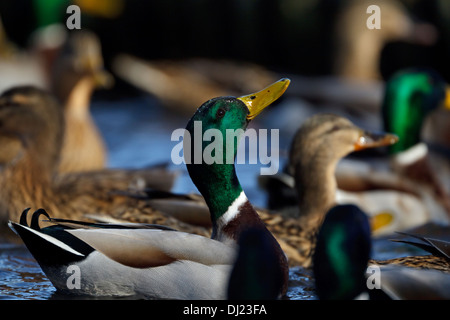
column 50, row 239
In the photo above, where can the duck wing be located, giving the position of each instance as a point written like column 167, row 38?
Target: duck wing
column 145, row 248
column 436, row 247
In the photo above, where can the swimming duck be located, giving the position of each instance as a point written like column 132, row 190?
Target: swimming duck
column 76, row 73
column 31, row 130
column 343, row 268
column 316, row 149
column 163, row 263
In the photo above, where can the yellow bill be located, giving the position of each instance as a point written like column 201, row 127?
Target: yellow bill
column 256, row 102
column 447, row 98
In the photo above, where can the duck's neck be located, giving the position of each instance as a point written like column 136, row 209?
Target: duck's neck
column 78, row 99
column 222, row 191
column 316, row 186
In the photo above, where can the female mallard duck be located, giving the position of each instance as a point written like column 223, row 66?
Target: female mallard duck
column 358, row 48
column 163, row 263
column 31, row 130
column 76, row 73
column 317, row 147
column 319, row 144
column 342, row 258
column 410, row 95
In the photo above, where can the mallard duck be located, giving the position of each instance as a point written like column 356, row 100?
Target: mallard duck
column 358, row 48
column 162, row 263
column 388, row 184
column 76, row 73
column 343, row 268
column 183, row 85
column 426, row 92
column 31, row 132
column 316, row 149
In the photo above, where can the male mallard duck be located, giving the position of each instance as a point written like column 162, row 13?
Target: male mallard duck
column 163, row 263
column 31, row 130
column 411, row 96
column 342, row 257
column 76, row 73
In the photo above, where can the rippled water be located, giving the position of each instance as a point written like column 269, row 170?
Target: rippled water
column 137, row 133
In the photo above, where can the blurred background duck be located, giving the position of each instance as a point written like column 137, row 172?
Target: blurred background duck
column 343, row 268
column 31, row 131
column 181, row 85
column 358, row 48
column 76, row 73
column 70, row 65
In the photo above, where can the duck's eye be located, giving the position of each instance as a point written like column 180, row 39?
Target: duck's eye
column 220, row 113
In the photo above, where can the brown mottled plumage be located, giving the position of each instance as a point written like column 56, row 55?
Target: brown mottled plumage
column 422, row 262
column 31, row 126
column 438, row 260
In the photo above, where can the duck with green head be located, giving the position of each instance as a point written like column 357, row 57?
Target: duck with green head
column 152, row 260
column 410, row 97
column 342, row 258
column 218, row 183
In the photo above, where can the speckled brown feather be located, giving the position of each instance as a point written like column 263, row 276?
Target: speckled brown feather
column 421, row 262
column 33, row 119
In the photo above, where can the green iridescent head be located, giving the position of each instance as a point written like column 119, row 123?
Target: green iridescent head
column 214, row 132
column 410, row 96
column 342, row 252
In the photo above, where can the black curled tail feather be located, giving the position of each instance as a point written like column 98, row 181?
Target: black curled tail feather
column 35, row 218
column 23, row 217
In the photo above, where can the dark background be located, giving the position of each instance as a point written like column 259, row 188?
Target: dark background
column 285, row 35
